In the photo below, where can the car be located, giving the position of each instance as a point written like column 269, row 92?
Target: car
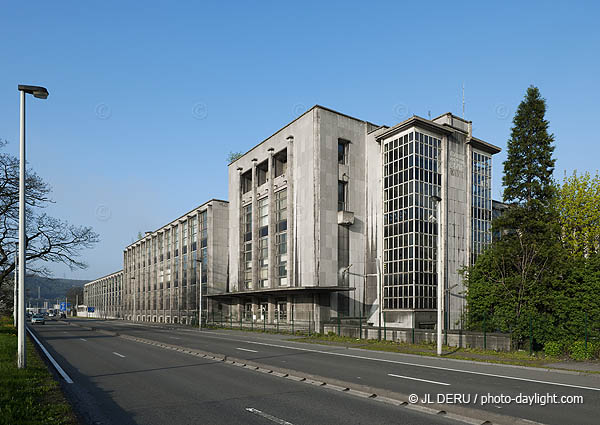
column 51, row 314
column 63, row 315
column 38, row 318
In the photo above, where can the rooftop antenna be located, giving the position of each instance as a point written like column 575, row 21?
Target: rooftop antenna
column 463, row 103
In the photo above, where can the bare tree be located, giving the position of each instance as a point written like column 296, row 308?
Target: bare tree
column 48, row 239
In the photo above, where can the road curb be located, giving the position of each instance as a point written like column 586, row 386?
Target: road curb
column 455, row 412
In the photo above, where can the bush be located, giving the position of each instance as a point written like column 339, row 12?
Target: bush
column 554, row 348
column 577, row 350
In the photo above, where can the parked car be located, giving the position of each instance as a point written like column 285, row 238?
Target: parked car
column 63, row 315
column 51, row 314
column 38, row 318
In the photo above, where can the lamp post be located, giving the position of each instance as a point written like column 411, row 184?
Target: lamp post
column 40, row 93
column 15, row 310
column 199, row 288
column 440, row 283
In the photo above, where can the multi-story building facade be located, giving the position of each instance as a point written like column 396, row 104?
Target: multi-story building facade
column 331, row 216
column 164, row 269
column 105, row 296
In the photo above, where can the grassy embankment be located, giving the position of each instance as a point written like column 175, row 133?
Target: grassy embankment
column 30, row 395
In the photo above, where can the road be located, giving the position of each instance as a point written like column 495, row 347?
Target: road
column 394, row 373
column 118, row 381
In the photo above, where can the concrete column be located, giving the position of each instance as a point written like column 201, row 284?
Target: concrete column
column 291, row 228
column 254, row 227
column 272, row 224
column 290, row 304
column 271, row 312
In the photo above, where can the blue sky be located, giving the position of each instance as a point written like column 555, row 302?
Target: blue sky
column 147, row 95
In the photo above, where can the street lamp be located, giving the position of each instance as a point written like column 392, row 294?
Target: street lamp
column 440, row 284
column 40, row 93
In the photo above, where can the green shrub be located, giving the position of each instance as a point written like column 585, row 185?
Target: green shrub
column 577, row 350
column 554, row 348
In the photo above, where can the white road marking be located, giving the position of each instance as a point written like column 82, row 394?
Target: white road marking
column 417, row 379
column 174, row 337
column 60, row 370
column 83, row 339
column 493, row 375
column 267, row 416
column 246, row 349
column 117, row 354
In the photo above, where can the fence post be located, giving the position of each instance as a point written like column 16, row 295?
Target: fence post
column 252, row 326
column 360, row 328
column 484, row 332
column 446, row 328
column 309, row 326
column 240, row 322
column 213, row 320
column 339, row 334
column 384, row 328
column 231, row 320
column 265, row 322
column 221, row 318
column 530, row 335
column 586, row 330
column 413, row 332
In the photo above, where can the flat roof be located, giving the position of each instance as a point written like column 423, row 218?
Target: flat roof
column 110, row 274
column 296, row 119
column 177, row 219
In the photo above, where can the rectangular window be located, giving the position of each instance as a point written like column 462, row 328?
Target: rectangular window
column 343, row 151
column 281, row 237
column 262, row 170
column 247, row 246
column 246, row 182
column 263, row 242
column 280, row 163
column 342, row 189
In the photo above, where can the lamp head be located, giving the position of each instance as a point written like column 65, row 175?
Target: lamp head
column 36, row 91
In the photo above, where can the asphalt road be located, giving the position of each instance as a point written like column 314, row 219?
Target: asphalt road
column 396, row 373
column 117, row 381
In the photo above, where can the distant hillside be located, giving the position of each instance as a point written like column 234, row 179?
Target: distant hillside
column 50, row 289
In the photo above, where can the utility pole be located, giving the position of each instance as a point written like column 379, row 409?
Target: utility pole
column 15, row 301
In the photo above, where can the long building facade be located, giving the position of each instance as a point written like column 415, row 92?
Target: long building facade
column 164, row 269
column 330, row 217
column 105, row 295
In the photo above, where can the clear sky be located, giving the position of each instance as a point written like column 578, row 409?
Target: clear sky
column 147, row 98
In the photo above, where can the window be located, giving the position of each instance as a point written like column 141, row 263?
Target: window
column 262, row 173
column 246, row 181
column 263, row 242
column 280, row 163
column 342, row 188
column 343, row 151
column 247, row 246
column 281, row 237
column 410, row 178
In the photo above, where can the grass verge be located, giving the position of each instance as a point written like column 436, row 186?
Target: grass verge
column 31, row 395
column 520, row 358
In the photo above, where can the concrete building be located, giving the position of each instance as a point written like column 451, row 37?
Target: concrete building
column 105, row 295
column 329, row 217
column 322, row 206
column 162, row 270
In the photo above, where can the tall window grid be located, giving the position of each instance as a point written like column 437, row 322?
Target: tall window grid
column 481, row 208
column 263, row 242
column 281, row 237
column 411, row 177
column 247, row 246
